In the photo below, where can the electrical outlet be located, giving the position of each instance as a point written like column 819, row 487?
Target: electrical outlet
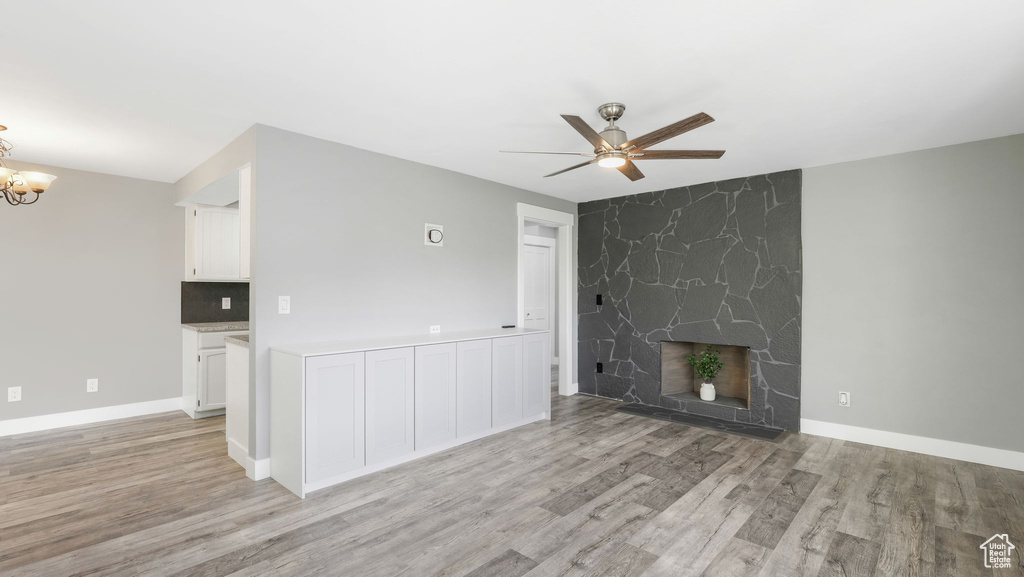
column 13, row 394
column 284, row 305
column 598, row 300
column 844, row 399
column 435, row 329
column 92, row 385
column 600, row 367
column 225, row 303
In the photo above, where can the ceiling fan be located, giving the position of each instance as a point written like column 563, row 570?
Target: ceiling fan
column 613, row 150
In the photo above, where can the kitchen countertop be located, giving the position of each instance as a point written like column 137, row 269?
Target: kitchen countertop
column 371, row 344
column 242, row 340
column 217, row 327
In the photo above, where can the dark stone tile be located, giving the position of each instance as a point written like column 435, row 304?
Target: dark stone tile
column 702, row 302
column 636, row 221
column 782, row 231
column 591, row 236
column 745, row 429
column 702, row 220
column 655, row 306
column 643, row 263
column 704, row 259
column 201, row 302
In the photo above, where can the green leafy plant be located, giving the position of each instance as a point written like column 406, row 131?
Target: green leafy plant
column 706, row 365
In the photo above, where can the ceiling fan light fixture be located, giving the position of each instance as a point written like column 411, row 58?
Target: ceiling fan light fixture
column 612, row 161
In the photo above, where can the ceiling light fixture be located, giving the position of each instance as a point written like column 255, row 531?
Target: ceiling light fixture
column 17, row 184
column 611, row 160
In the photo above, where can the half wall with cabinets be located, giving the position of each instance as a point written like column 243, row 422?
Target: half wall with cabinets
column 343, row 410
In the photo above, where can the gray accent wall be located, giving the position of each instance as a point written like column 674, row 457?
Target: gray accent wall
column 915, row 293
column 714, row 263
column 340, row 230
column 91, row 277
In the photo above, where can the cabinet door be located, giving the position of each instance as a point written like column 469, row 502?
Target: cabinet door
column 213, row 379
column 435, row 395
column 217, row 243
column 506, row 380
column 335, row 440
column 389, row 404
column 473, row 383
column 536, row 374
column 244, row 216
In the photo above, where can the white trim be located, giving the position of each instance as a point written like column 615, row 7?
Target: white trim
column 554, row 361
column 257, row 470
column 574, row 388
column 926, row 445
column 87, row 416
column 566, row 282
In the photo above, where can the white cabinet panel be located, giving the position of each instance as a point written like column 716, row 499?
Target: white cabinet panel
column 244, row 218
column 389, row 404
column 536, row 374
column 217, row 243
column 473, row 378
column 435, row 395
column 335, row 439
column 506, row 380
column 212, row 379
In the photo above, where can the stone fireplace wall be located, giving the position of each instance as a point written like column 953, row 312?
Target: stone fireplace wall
column 716, row 263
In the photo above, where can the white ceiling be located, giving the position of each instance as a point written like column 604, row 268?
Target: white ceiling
column 151, row 89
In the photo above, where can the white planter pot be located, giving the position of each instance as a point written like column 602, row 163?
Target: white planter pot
column 707, row 392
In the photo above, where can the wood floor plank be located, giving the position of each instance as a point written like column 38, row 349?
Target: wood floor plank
column 850, row 556
column 593, row 492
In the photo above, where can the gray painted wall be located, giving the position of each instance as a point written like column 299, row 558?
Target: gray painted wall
column 711, row 263
column 340, row 231
column 91, row 277
column 913, row 292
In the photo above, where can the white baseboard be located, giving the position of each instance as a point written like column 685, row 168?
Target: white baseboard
column 554, row 361
column 260, row 469
column 87, row 416
column 926, row 445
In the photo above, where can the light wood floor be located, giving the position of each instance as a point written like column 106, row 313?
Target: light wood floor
column 593, row 492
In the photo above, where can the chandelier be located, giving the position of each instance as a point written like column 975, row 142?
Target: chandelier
column 16, row 185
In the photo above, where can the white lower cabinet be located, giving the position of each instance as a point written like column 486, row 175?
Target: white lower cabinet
column 536, row 374
column 435, row 395
column 213, row 393
column 473, row 385
column 506, row 380
column 335, row 429
column 339, row 410
column 389, row 404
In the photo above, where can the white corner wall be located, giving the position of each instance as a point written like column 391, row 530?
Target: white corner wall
column 914, row 293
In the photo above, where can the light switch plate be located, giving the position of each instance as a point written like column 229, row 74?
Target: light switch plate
column 435, row 329
column 225, row 303
column 844, row 399
column 92, row 385
column 284, row 305
column 13, row 394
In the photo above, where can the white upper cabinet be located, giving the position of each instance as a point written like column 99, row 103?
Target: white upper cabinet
column 217, row 234
column 389, row 404
column 244, row 218
column 435, row 395
column 213, row 243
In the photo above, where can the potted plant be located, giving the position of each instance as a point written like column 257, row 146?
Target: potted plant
column 706, row 365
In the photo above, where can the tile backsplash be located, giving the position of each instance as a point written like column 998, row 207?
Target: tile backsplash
column 201, row 302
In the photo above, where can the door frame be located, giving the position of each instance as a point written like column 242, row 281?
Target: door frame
column 550, row 244
column 564, row 222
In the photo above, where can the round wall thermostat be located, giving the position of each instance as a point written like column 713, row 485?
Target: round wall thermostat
column 434, row 235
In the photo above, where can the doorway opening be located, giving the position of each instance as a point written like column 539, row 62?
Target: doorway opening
column 545, row 282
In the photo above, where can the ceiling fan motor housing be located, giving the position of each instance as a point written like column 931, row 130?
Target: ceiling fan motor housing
column 611, row 112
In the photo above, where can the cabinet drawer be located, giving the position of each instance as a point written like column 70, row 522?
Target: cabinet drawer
column 216, row 340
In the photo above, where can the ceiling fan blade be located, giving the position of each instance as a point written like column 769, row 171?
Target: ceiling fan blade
column 677, row 154
column 631, row 171
column 574, row 167
column 672, row 130
column 589, row 133
column 546, row 152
